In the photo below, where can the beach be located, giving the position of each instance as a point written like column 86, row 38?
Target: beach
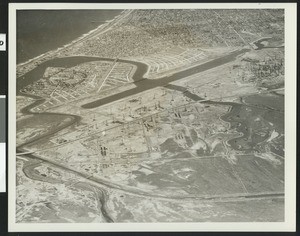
column 35, row 37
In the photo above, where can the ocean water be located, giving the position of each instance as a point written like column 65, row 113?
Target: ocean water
column 39, row 31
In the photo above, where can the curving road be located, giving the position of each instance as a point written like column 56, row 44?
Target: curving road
column 142, row 85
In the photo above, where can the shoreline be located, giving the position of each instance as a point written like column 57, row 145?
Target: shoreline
column 76, row 40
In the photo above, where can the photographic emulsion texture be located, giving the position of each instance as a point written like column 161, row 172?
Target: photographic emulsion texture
column 150, row 115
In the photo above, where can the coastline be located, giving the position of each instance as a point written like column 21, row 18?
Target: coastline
column 49, row 54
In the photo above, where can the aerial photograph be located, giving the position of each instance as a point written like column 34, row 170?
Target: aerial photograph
column 150, row 116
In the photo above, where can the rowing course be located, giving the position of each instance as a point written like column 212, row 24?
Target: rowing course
column 138, row 82
column 66, row 62
column 138, row 77
column 144, row 85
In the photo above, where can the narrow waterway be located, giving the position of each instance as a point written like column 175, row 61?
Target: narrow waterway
column 142, row 84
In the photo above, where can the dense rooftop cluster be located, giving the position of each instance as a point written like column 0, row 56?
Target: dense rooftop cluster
column 145, row 32
column 122, row 41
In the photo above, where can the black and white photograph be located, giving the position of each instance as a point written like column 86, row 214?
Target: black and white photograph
column 169, row 114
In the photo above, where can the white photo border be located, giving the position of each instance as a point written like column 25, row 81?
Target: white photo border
column 289, row 225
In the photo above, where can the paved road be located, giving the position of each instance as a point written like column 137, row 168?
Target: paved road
column 144, row 85
column 68, row 62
